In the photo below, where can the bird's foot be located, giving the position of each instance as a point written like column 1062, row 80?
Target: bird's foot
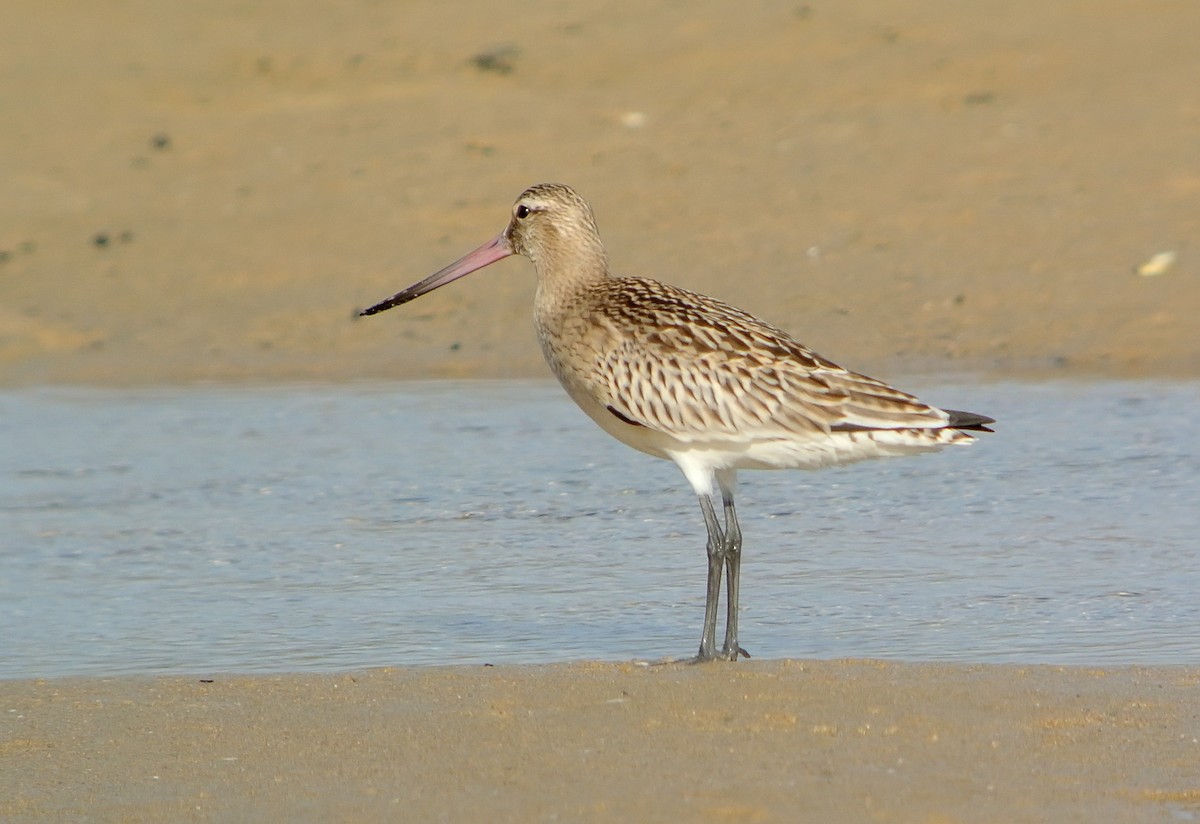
column 723, row 655
column 733, row 654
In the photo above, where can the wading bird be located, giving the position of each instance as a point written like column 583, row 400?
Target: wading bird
column 685, row 377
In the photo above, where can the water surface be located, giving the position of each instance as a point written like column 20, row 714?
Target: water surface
column 321, row 528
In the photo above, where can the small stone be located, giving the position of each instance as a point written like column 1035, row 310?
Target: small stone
column 633, row 120
column 500, row 60
column 1157, row 265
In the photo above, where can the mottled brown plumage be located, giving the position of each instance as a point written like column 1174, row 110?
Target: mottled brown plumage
column 685, row 377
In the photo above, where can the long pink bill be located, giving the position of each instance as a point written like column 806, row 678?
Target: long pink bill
column 495, row 249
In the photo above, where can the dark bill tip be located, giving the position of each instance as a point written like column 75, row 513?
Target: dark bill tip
column 383, row 305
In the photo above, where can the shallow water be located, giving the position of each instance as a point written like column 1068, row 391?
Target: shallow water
column 319, row 528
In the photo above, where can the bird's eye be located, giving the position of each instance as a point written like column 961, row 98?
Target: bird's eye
column 522, row 212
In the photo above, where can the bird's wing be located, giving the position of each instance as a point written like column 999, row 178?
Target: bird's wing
column 694, row 367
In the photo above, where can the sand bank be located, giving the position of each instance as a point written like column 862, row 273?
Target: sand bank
column 831, row 741
column 209, row 191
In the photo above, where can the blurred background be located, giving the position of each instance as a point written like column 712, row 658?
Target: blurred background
column 209, row 191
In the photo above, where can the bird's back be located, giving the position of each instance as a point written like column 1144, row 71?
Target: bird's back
column 696, row 368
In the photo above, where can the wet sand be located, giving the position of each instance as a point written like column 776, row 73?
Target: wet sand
column 836, row 741
column 209, row 192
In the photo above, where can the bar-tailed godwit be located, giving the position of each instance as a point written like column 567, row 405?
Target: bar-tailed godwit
column 683, row 376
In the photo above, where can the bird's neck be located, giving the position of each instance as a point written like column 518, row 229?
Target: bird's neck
column 565, row 277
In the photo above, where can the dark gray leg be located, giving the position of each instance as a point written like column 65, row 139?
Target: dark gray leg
column 733, row 569
column 716, row 561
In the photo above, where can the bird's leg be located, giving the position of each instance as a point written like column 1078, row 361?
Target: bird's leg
column 716, row 561
column 733, row 568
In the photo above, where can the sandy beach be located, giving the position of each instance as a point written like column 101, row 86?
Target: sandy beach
column 209, row 192
column 761, row 741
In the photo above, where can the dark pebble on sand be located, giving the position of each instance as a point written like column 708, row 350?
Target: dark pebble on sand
column 500, row 60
